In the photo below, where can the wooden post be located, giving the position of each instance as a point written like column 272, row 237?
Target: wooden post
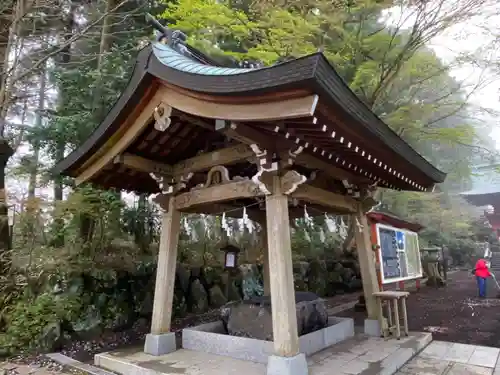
column 165, row 272
column 265, row 269
column 366, row 264
column 286, row 339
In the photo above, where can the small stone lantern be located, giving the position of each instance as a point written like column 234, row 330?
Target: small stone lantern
column 230, row 256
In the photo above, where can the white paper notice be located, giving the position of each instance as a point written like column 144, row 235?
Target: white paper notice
column 230, row 260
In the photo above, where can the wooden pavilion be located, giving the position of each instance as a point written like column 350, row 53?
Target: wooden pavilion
column 207, row 139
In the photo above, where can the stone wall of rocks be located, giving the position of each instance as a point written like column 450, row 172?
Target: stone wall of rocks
column 117, row 303
column 199, row 289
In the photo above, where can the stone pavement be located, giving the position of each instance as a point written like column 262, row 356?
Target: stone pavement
column 447, row 358
column 360, row 355
column 10, row 368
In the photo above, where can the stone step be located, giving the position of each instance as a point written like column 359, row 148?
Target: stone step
column 77, row 365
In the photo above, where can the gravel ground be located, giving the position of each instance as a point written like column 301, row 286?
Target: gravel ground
column 453, row 313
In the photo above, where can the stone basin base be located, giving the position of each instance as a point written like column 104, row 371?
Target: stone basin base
column 213, row 338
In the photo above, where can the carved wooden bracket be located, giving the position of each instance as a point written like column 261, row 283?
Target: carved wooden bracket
column 265, row 164
column 368, row 200
column 162, row 117
column 169, row 185
column 291, row 181
column 264, row 159
column 162, row 200
column 352, row 190
column 293, row 153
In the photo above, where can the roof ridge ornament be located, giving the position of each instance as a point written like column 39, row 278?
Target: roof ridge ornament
column 175, row 39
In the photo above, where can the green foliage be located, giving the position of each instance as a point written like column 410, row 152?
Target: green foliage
column 87, row 214
column 31, row 321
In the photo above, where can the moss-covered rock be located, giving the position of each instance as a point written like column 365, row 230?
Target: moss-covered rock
column 179, row 305
column 300, row 272
column 216, row 297
column 317, row 277
column 198, row 298
column 211, row 276
column 233, row 292
column 182, row 275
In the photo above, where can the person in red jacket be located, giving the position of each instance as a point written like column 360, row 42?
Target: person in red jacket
column 482, row 273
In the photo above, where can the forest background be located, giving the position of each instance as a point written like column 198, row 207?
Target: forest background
column 63, row 63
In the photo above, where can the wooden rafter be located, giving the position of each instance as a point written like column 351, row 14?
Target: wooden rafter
column 248, row 135
column 121, row 143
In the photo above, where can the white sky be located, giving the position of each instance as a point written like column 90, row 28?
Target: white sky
column 468, row 38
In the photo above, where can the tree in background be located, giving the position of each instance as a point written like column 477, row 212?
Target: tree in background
column 379, row 48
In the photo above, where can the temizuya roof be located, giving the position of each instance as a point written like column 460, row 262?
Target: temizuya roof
column 344, row 132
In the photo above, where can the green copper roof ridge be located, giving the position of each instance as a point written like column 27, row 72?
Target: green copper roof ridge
column 173, row 59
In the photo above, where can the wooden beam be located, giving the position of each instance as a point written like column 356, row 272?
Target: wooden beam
column 225, row 156
column 121, row 143
column 264, row 111
column 144, row 165
column 217, row 193
column 325, row 198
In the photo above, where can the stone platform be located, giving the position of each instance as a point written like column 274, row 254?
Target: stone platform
column 447, row 358
column 360, row 355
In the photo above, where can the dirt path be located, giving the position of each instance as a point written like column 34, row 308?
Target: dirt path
column 453, row 313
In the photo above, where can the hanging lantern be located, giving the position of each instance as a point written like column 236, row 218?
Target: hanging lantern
column 230, row 256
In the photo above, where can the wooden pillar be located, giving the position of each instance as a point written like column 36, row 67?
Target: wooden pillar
column 286, row 339
column 366, row 263
column 265, row 268
column 165, row 272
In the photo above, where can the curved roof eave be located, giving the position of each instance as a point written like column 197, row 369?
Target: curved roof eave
column 313, row 69
column 161, row 61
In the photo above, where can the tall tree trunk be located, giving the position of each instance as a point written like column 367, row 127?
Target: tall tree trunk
column 104, row 47
column 64, row 60
column 38, row 124
column 99, row 105
column 9, row 20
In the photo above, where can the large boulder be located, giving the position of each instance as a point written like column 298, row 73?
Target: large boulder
column 253, row 318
